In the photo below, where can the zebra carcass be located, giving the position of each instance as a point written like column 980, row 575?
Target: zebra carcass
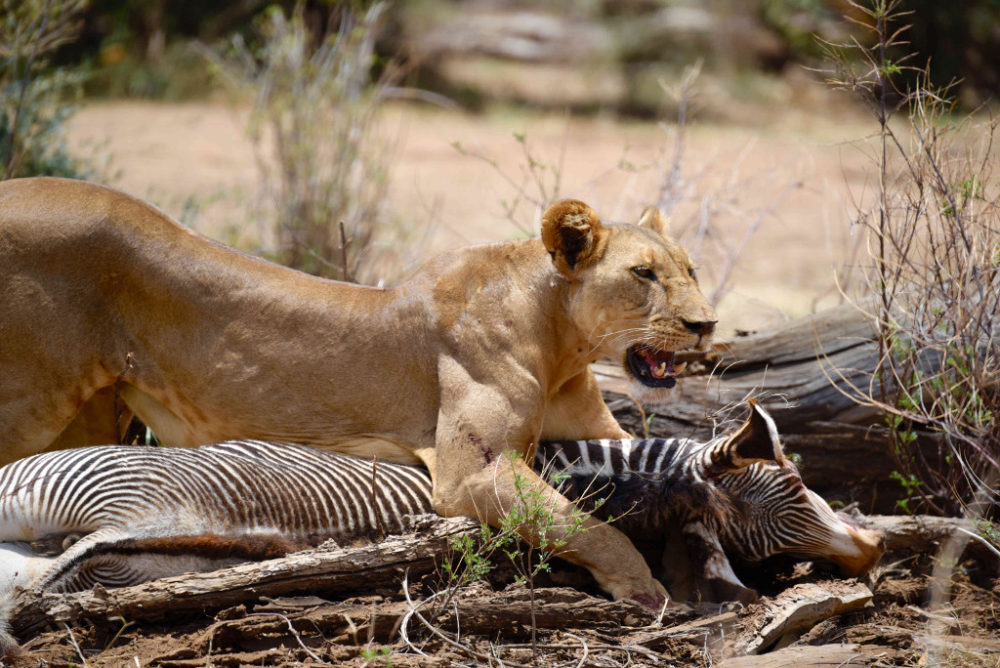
column 736, row 495
column 120, row 515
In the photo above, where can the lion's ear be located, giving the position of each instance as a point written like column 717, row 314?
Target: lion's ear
column 572, row 234
column 654, row 219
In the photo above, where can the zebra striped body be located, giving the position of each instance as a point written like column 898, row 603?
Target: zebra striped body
column 724, row 502
column 147, row 512
column 287, row 496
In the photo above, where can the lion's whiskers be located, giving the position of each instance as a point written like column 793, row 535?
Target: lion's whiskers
column 631, row 336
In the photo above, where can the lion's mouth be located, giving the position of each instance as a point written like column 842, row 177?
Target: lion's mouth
column 651, row 367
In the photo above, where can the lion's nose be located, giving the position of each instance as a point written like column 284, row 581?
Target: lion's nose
column 701, row 328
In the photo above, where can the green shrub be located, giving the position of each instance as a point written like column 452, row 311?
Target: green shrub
column 934, row 231
column 324, row 168
column 36, row 98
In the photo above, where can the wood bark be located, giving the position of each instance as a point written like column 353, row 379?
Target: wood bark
column 509, row 612
column 916, row 534
column 813, row 656
column 716, row 625
column 802, row 372
column 927, row 534
column 320, row 571
column 798, row 609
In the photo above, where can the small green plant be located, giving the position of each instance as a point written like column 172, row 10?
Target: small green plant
column 470, row 560
column 532, row 513
column 529, row 535
column 911, row 486
column 989, row 530
column 374, row 655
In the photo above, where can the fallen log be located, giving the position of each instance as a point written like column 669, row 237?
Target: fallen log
column 915, row 534
column 322, row 571
column 780, row 620
column 814, row 656
column 510, row 613
column 716, row 625
column 801, row 372
column 808, row 374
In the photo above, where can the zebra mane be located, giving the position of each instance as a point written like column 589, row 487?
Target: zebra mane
column 646, row 502
column 640, row 484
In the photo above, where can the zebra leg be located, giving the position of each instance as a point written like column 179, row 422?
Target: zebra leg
column 19, row 567
column 712, row 574
column 9, row 647
column 63, row 568
column 125, row 570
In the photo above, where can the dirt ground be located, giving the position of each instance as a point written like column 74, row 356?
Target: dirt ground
column 575, row 628
column 794, row 160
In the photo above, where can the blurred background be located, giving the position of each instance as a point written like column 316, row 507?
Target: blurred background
column 353, row 139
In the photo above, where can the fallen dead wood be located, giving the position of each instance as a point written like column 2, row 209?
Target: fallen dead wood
column 915, row 534
column 813, row 656
column 779, row 621
column 321, row 571
column 555, row 607
column 801, row 373
column 715, row 624
column 805, row 373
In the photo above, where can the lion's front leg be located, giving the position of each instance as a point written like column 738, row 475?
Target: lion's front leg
column 577, row 411
column 480, row 472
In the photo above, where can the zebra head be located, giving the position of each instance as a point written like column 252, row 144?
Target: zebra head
column 772, row 511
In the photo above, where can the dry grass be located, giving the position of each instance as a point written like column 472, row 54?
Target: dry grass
column 933, row 237
column 322, row 205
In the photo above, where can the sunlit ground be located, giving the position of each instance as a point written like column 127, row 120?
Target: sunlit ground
column 789, row 165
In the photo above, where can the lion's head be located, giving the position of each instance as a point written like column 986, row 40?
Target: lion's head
column 635, row 296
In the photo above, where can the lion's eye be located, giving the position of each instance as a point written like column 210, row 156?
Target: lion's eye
column 644, row 272
column 691, row 273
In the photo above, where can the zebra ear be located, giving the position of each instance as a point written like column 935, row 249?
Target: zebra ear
column 756, row 441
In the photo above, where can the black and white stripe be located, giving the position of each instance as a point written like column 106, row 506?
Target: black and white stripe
column 757, row 510
column 123, row 498
column 250, row 486
column 113, row 494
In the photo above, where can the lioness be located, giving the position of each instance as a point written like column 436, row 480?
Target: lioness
column 473, row 360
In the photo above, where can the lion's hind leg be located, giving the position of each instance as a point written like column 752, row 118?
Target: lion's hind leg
column 102, row 420
column 32, row 422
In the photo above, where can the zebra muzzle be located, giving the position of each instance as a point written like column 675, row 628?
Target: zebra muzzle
column 857, row 550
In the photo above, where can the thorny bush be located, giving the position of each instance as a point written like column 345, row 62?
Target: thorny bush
column 933, row 234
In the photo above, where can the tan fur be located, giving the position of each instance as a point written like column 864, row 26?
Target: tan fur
column 482, row 353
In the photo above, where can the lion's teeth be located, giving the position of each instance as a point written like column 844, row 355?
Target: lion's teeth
column 660, row 371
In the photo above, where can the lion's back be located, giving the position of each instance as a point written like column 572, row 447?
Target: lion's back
column 45, row 210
